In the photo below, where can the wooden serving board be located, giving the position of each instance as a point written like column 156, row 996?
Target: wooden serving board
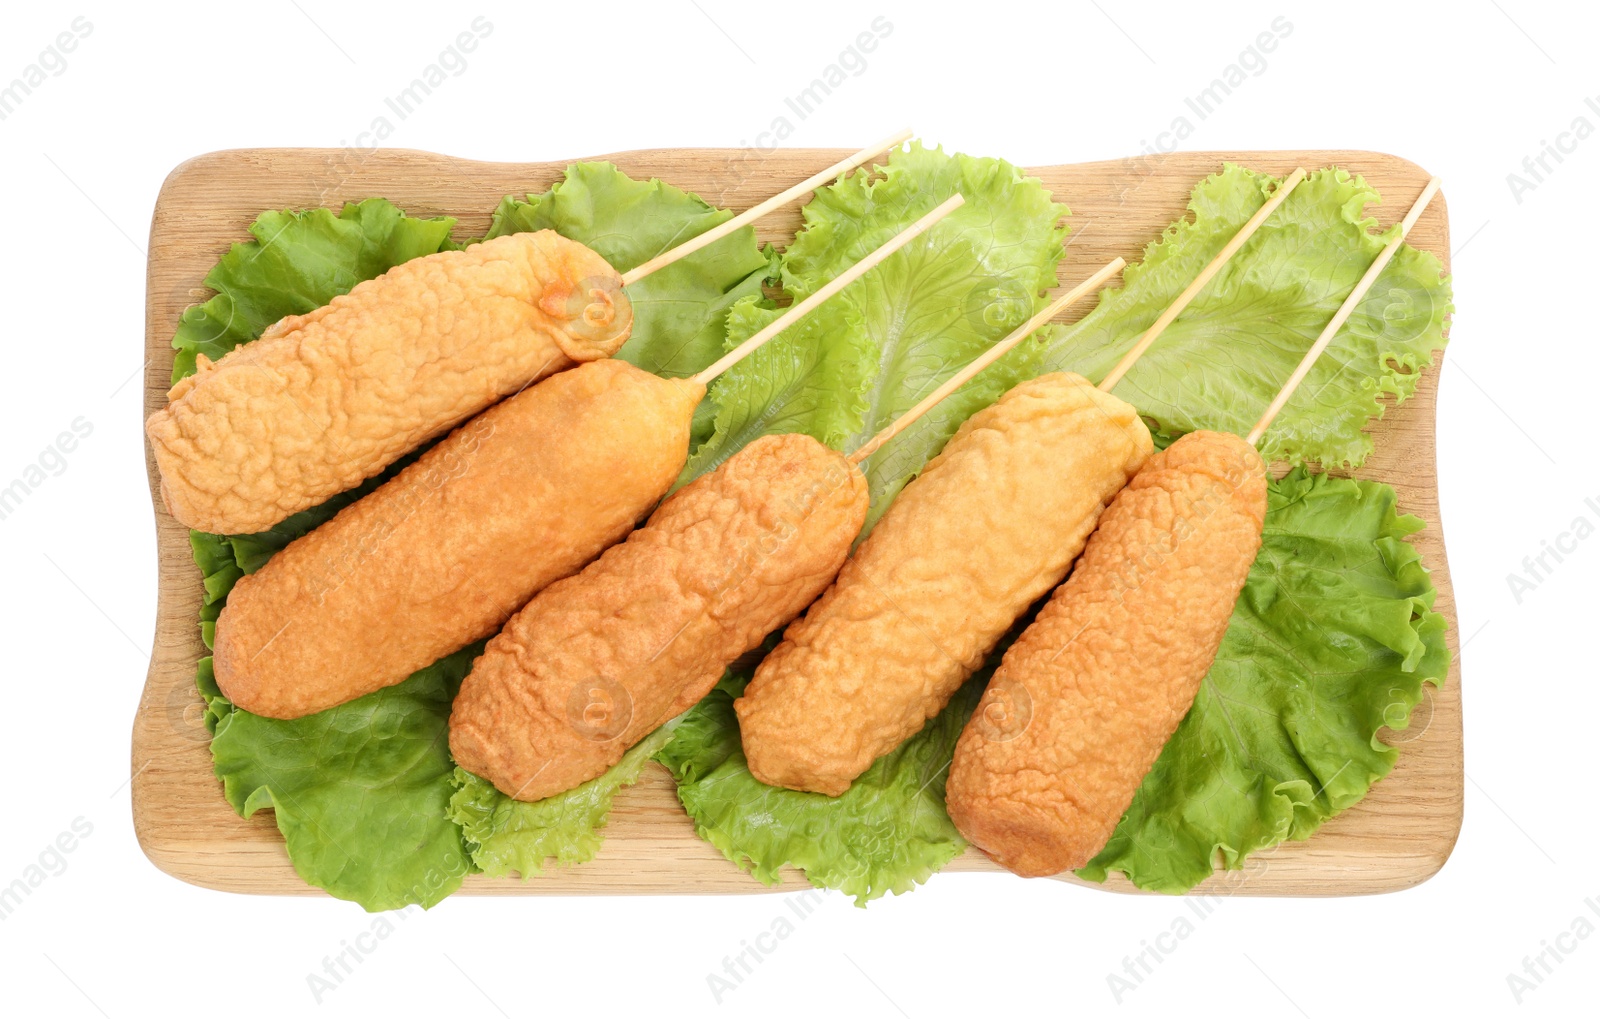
column 1398, row 836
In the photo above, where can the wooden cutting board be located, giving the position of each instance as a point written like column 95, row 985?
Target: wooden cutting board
column 1400, row 835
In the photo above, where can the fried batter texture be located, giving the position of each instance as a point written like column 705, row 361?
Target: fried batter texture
column 323, row 401
column 442, row 554
column 991, row 525
column 595, row 662
column 1086, row 698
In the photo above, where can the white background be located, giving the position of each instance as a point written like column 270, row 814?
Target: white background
column 1459, row 88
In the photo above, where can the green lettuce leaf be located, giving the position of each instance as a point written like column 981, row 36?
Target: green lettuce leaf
column 1221, row 362
column 298, row 262
column 888, row 832
column 870, row 353
column 1332, row 640
column 361, row 792
column 506, row 835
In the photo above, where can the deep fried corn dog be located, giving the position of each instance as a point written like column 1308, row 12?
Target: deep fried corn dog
column 991, row 525
column 325, row 400
column 1086, row 698
column 442, row 554
column 595, row 662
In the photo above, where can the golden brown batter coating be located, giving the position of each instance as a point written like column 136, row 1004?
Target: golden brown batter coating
column 595, row 662
column 323, row 401
column 991, row 525
column 1086, row 698
column 441, row 555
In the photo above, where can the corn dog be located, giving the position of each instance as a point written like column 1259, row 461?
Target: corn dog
column 446, row 551
column 991, row 525
column 325, row 400
column 595, row 662
column 1086, row 698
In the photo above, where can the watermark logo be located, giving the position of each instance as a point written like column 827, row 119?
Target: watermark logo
column 599, row 709
column 1538, row 166
column 452, row 62
column 1398, row 313
column 51, row 63
column 1251, row 63
column 1542, row 565
column 1006, row 711
column 343, row 964
column 997, row 303
column 851, row 63
column 1553, row 952
column 51, row 862
column 50, row 463
column 186, row 713
column 1406, row 722
column 596, row 312
column 741, row 965
column 1137, row 967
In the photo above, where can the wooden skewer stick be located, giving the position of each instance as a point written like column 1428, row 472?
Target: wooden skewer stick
column 827, row 290
column 1193, row 289
column 755, row 212
column 985, row 359
column 1345, row 309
